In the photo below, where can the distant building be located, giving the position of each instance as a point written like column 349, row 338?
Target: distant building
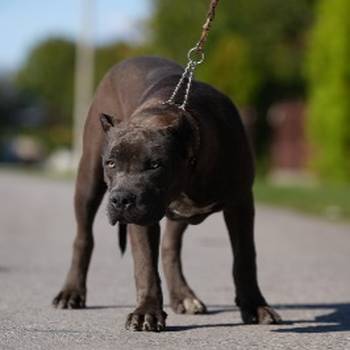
column 289, row 150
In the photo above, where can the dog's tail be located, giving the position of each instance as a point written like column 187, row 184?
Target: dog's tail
column 122, row 232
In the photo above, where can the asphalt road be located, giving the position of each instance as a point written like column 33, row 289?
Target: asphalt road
column 303, row 262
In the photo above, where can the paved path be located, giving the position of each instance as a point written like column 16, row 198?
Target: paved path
column 304, row 270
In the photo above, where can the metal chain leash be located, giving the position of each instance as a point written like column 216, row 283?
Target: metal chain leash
column 195, row 58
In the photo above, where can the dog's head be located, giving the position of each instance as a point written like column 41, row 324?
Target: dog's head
column 146, row 162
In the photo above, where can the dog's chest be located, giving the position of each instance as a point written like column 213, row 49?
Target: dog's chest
column 185, row 207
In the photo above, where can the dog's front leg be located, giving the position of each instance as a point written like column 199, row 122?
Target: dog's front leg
column 149, row 314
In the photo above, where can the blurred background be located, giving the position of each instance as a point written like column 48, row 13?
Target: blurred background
column 285, row 64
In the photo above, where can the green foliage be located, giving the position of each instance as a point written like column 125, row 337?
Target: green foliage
column 48, row 73
column 273, row 31
column 175, row 27
column 230, row 69
column 329, row 74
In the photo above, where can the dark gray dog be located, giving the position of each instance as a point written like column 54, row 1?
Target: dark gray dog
column 156, row 159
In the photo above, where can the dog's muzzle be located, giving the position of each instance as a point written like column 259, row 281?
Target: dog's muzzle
column 127, row 207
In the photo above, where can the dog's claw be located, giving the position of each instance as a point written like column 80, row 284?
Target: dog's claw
column 190, row 305
column 69, row 299
column 194, row 306
column 262, row 315
column 267, row 315
column 148, row 322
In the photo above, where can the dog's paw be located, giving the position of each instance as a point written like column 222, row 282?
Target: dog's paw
column 70, row 299
column 261, row 315
column 189, row 305
column 146, row 321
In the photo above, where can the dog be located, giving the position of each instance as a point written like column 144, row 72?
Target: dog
column 156, row 159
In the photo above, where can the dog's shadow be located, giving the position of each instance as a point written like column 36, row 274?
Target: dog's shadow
column 338, row 320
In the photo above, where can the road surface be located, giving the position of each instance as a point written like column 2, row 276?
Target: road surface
column 304, row 271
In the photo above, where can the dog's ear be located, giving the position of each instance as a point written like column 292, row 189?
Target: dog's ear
column 107, row 122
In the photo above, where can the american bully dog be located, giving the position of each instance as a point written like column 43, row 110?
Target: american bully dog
column 157, row 160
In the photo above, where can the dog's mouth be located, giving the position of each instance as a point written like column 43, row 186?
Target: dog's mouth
column 140, row 217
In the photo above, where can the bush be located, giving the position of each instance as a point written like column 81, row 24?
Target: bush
column 328, row 71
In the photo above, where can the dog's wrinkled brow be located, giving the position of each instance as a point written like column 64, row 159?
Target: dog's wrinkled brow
column 126, row 151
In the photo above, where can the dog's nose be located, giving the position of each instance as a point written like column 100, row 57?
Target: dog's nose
column 122, row 200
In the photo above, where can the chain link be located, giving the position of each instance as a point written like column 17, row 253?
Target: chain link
column 195, row 58
column 187, row 74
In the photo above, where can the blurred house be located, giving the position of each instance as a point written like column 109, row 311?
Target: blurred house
column 289, row 150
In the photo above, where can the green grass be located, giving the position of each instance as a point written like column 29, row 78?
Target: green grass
column 327, row 200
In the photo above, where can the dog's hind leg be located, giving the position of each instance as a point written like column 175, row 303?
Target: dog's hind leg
column 89, row 192
column 182, row 298
column 240, row 223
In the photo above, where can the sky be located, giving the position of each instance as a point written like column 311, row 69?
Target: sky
column 23, row 23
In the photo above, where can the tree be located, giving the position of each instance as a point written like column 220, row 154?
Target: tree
column 48, row 73
column 175, row 26
column 274, row 30
column 329, row 88
column 48, row 76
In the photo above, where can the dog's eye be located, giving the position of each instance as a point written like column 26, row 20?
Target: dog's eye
column 154, row 164
column 110, row 164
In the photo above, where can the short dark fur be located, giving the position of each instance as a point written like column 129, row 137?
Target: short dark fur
column 158, row 160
